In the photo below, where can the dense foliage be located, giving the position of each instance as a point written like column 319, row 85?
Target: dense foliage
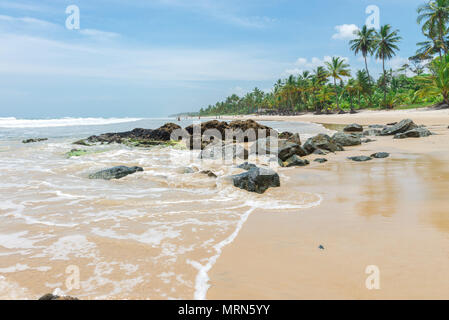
column 423, row 81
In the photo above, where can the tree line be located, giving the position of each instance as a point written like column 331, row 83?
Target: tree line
column 330, row 88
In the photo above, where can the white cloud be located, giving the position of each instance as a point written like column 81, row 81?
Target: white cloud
column 99, row 34
column 345, row 32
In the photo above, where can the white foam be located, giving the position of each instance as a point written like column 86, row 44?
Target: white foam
column 64, row 122
column 202, row 278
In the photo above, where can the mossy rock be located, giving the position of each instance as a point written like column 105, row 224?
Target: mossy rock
column 82, row 143
column 76, row 153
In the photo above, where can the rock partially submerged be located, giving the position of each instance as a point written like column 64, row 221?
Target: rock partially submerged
column 353, row 128
column 115, row 173
column 323, row 142
column 419, row 132
column 227, row 152
column 76, row 153
column 401, row 127
column 295, row 161
column 360, row 158
column 289, row 149
column 346, row 140
column 320, row 160
column 380, row 155
column 208, row 173
column 34, row 140
column 257, row 180
column 247, row 166
column 138, row 135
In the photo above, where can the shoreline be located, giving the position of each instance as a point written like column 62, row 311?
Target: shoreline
column 389, row 213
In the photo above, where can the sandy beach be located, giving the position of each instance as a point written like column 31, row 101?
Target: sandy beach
column 389, row 213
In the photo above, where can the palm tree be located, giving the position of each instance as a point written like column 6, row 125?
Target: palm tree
column 351, row 88
column 436, row 84
column 434, row 15
column 337, row 69
column 386, row 48
column 362, row 84
column 364, row 43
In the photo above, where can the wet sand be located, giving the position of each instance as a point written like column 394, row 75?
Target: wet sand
column 391, row 213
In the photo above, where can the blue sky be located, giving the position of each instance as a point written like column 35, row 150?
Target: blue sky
column 152, row 58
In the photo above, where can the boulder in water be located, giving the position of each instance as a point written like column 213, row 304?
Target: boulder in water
column 380, row 155
column 346, row 140
column 360, row 158
column 321, row 141
column 115, row 173
column 295, row 161
column 401, row 127
column 353, row 128
column 257, row 180
column 414, row 133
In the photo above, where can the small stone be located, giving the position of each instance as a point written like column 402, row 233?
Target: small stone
column 360, row 158
column 380, row 155
column 320, row 160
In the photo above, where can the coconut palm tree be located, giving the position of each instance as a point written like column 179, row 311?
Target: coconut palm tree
column 337, row 69
column 436, row 84
column 386, row 47
column 434, row 15
column 364, row 43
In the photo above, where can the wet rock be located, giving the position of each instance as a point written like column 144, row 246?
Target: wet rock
column 367, row 140
column 76, row 153
column 346, row 140
column 226, row 152
column 320, row 160
column 162, row 134
column 257, row 180
column 50, row 296
column 360, row 158
column 414, row 133
column 288, row 149
column 246, row 125
column 295, row 161
column 353, row 128
column 285, row 135
column 321, row 141
column 372, row 132
column 34, row 140
column 115, row 173
column 295, row 139
column 82, row 143
column 185, row 170
column 321, row 152
column 376, row 126
column 246, row 166
column 208, row 173
column 380, row 155
column 401, row 127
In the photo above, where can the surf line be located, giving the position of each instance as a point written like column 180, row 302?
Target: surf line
column 202, row 279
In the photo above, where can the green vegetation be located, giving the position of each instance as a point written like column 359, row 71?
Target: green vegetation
column 423, row 81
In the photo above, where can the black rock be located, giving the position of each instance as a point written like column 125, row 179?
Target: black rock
column 321, row 141
column 414, row 133
column 34, row 140
column 360, row 158
column 353, row 128
column 246, row 166
column 367, row 140
column 50, row 296
column 209, row 173
column 257, row 180
column 288, row 149
column 376, row 126
column 346, row 140
column 380, row 155
column 401, row 127
column 295, row 161
column 115, row 173
column 320, row 160
column 372, row 132
column 229, row 151
column 321, row 152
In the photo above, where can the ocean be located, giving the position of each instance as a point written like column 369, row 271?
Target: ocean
column 151, row 235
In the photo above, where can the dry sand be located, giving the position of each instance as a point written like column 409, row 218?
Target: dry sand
column 391, row 213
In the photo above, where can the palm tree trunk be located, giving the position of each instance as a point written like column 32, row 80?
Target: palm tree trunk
column 336, row 94
column 367, row 71
column 384, row 80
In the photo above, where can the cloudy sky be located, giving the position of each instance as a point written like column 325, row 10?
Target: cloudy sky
column 152, row 58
